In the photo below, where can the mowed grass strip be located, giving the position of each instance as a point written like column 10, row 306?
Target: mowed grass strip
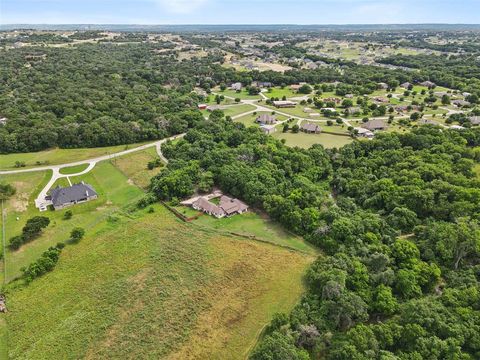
column 59, row 156
column 150, row 286
column 73, row 169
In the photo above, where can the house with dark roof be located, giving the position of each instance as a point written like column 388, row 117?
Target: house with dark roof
column 62, row 197
column 310, row 128
column 266, row 119
column 375, row 124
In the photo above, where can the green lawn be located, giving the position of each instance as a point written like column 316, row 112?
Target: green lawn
column 306, row 140
column 58, row 156
column 114, row 192
column 252, row 224
column 238, row 109
column 241, row 95
column 150, row 285
column 73, row 169
column 277, row 92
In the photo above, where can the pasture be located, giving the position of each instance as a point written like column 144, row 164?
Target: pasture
column 147, row 284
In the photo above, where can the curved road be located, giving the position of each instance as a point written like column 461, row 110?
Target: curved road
column 40, row 200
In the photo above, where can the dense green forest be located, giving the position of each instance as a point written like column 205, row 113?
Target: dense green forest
column 458, row 72
column 396, row 218
column 104, row 94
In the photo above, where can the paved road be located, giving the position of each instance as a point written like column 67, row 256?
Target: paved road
column 93, row 161
column 40, row 202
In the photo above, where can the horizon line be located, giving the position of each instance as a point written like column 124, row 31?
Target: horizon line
column 244, row 24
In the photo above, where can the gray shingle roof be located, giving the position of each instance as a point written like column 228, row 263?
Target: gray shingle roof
column 67, row 195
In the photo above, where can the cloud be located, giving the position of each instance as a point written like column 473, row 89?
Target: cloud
column 181, row 6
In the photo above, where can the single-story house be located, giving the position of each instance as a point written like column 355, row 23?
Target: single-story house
column 382, row 85
column 214, row 107
column 427, row 122
column 406, row 85
column 375, row 124
column 3, row 120
column 262, row 84
column 361, row 132
column 236, row 86
column 427, row 83
column 227, row 206
column 354, row 110
column 63, row 197
column 295, row 87
column 284, row 104
column 266, row 119
column 202, row 106
column 268, row 129
column 310, row 128
column 460, row 103
column 349, row 96
column 381, row 99
column 474, row 120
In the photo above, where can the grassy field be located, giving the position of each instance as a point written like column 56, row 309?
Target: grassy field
column 73, row 169
column 114, row 192
column 303, row 140
column 238, row 109
column 134, row 166
column 154, row 287
column 241, row 95
column 277, row 92
column 252, row 224
column 58, row 156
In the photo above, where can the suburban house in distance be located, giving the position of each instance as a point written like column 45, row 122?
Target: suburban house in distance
column 284, row 104
column 226, row 206
column 236, row 86
column 364, row 133
column 268, row 129
column 62, row 197
column 375, row 124
column 266, row 119
column 310, row 128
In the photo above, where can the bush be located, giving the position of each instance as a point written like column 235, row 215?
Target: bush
column 68, row 215
column 77, row 234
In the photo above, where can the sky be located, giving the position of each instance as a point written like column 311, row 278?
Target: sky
column 238, row 11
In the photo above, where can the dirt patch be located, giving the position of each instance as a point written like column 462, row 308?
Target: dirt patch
column 130, row 182
column 19, row 202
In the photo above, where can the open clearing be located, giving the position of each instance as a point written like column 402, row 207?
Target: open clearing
column 59, row 156
column 149, row 285
column 303, row 140
column 252, row 224
column 144, row 283
column 134, row 166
